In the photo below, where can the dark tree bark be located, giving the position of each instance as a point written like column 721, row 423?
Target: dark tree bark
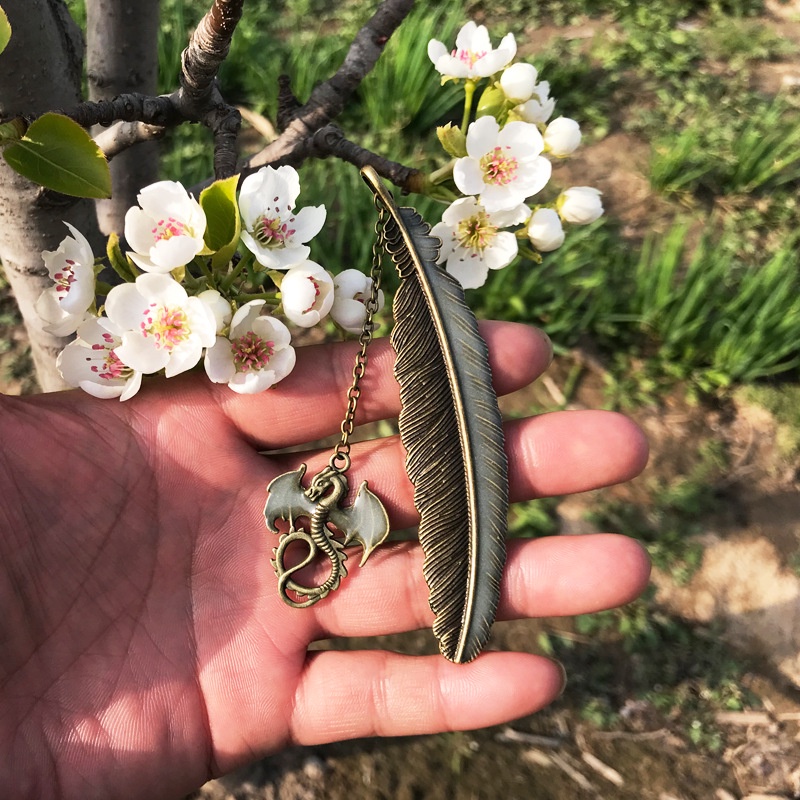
column 39, row 71
column 122, row 57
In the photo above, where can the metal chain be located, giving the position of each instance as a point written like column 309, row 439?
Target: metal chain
column 340, row 460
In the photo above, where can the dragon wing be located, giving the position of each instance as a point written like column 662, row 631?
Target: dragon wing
column 287, row 499
column 366, row 521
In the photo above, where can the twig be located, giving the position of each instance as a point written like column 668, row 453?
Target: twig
column 609, row 773
column 124, row 135
column 572, row 773
column 306, row 130
column 509, row 735
column 207, row 49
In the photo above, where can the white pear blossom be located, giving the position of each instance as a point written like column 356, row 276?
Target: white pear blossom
column 519, row 82
column 352, row 289
column 272, row 231
column 162, row 327
column 503, row 166
column 89, row 362
column 219, row 307
column 539, row 108
column 167, row 231
column 307, row 294
column 472, row 242
column 580, row 205
column 545, row 230
column 473, row 56
column 562, row 137
column 255, row 355
column 64, row 305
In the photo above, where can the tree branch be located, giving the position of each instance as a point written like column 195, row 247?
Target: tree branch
column 330, row 141
column 328, row 99
column 124, row 135
column 207, row 49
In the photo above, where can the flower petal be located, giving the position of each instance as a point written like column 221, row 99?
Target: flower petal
column 471, row 271
column 309, row 222
column 468, row 176
column 141, row 354
column 482, row 136
column 503, row 251
column 218, row 362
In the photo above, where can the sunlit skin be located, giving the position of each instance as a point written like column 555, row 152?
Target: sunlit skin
column 143, row 645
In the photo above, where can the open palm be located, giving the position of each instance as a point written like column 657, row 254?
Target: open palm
column 143, row 645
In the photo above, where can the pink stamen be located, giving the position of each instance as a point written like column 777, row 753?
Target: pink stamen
column 167, row 228
column 499, row 168
column 316, row 294
column 469, row 57
column 251, row 352
column 169, row 326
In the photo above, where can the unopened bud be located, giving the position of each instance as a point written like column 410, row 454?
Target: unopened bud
column 453, row 140
column 492, row 102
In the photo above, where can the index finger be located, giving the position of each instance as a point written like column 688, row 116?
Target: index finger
column 310, row 403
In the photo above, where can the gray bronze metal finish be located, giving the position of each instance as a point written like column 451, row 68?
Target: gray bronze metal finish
column 451, row 428
column 364, row 522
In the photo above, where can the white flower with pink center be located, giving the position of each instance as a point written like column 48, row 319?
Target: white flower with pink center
column 472, row 242
column 351, row 290
column 307, row 294
column 91, row 363
column 503, row 166
column 273, row 232
column 163, row 328
column 167, row 231
column 255, row 355
column 473, row 56
column 64, row 305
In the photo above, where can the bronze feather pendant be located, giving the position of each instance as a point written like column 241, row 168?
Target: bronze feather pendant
column 452, row 431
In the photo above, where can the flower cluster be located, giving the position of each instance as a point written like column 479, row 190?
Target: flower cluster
column 205, row 280
column 501, row 159
column 216, row 279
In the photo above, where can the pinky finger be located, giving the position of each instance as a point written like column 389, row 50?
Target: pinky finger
column 347, row 695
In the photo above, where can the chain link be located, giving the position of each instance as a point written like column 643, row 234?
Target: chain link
column 340, row 460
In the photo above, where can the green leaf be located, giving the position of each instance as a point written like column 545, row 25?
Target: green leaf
column 119, row 263
column 5, row 30
column 59, row 154
column 223, row 223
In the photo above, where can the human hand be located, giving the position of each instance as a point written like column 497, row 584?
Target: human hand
column 144, row 647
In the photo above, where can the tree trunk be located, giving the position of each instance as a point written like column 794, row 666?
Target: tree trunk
column 122, row 56
column 41, row 71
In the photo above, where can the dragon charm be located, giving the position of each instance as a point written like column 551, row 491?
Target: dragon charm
column 364, row 522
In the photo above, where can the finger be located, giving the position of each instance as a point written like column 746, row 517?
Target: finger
column 550, row 577
column 373, row 693
column 310, row 403
column 559, row 453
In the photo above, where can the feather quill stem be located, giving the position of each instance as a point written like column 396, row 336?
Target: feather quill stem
column 451, row 428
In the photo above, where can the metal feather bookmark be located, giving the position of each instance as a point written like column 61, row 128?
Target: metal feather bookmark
column 452, row 431
column 451, row 428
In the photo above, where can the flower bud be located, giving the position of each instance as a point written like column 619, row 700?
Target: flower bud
column 545, row 231
column 580, row 205
column 453, row 140
column 562, row 137
column 491, row 102
column 518, row 82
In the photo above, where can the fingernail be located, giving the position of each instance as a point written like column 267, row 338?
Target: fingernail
column 549, row 344
column 563, row 677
